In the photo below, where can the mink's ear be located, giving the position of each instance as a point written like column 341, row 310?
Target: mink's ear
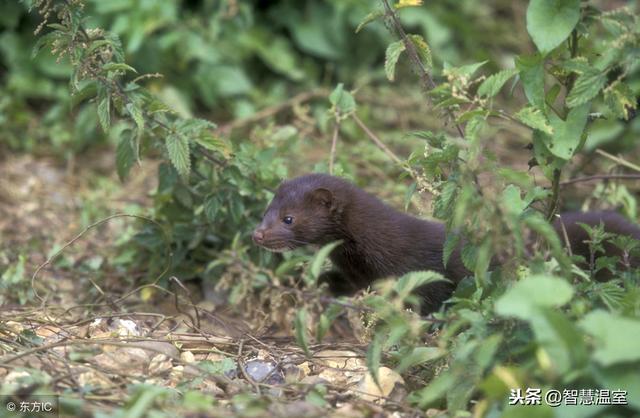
column 323, row 197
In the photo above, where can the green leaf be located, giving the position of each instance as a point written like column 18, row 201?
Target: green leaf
column 125, row 157
column 213, row 143
column 623, row 376
column 300, row 326
column 538, row 291
column 512, row 200
column 560, row 338
column 211, row 207
column 376, row 14
column 118, row 66
column 136, row 114
column 423, row 50
column 567, row 134
column 538, row 224
column 469, row 255
column 391, row 58
column 178, row 149
column 465, row 71
column 167, row 178
column 586, row 87
column 85, row 92
column 550, row 22
column 531, row 69
column 326, row 319
column 104, row 109
column 415, row 279
column 419, row 355
column 436, row 389
column 319, row 259
column 342, row 100
column 492, row 85
column 534, row 118
column 577, row 65
column 547, row 161
column 450, row 244
column 616, row 337
column 620, row 99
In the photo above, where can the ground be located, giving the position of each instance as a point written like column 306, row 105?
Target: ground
column 90, row 335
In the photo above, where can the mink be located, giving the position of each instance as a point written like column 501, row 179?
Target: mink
column 379, row 241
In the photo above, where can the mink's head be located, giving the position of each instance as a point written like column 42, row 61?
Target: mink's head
column 304, row 210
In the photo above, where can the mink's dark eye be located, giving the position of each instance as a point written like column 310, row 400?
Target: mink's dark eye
column 288, row 220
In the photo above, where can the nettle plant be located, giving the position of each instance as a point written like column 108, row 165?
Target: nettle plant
column 496, row 337
column 210, row 192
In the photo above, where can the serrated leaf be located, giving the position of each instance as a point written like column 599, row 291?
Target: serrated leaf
column 376, row 14
column 125, row 157
column 423, row 50
column 567, row 134
column 534, row 118
column 532, row 72
column 469, row 256
column 300, row 326
column 620, row 99
column 178, row 149
column 550, row 22
column 444, row 202
column 586, row 87
column 464, row 71
column 578, row 65
column 342, row 100
column 213, row 143
column 450, row 244
column 104, row 109
column 211, row 207
column 492, row 85
column 391, row 58
column 136, row 114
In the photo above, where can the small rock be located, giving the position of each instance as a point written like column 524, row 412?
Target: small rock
column 159, row 364
column 391, row 386
column 187, row 357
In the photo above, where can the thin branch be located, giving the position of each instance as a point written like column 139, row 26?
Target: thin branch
column 375, row 139
column 555, row 194
column 601, row 177
column 412, row 52
column 619, row 160
column 334, row 141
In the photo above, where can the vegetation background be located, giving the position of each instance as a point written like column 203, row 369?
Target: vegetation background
column 141, row 140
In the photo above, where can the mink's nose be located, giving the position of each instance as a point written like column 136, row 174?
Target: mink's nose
column 258, row 236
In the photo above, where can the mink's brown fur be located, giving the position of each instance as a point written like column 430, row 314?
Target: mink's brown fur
column 378, row 240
